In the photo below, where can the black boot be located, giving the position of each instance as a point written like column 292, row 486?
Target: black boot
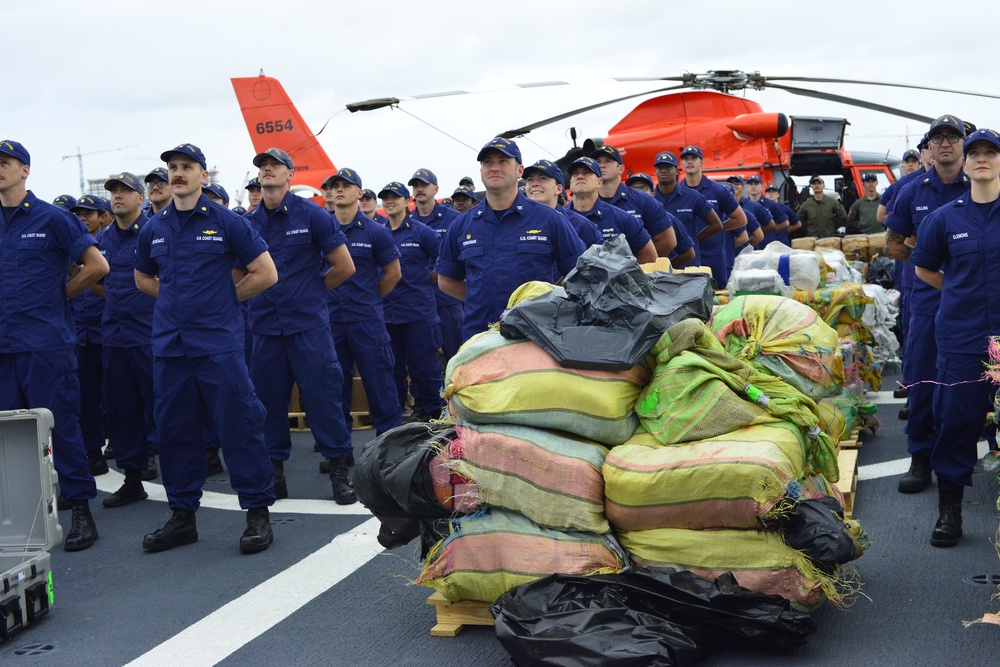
column 258, row 535
column 83, row 530
column 904, row 413
column 948, row 528
column 280, row 485
column 129, row 492
column 901, row 393
column 151, row 472
column 343, row 490
column 96, row 462
column 918, row 477
column 214, row 466
column 109, row 453
column 179, row 529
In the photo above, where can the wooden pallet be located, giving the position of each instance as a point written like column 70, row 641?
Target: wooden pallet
column 452, row 617
column 362, row 421
column 852, row 440
column 847, row 460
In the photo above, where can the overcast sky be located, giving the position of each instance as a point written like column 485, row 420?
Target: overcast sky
column 120, row 82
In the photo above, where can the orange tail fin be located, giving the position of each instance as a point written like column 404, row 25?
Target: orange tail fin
column 273, row 121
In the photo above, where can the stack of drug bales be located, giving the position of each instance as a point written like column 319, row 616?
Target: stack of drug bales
column 729, row 446
column 526, row 463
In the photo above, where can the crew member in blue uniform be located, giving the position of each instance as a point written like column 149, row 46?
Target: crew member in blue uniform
column 158, row 192
column 945, row 182
column 66, row 202
column 185, row 258
column 357, row 317
column 291, row 330
column 779, row 232
column 610, row 221
column 463, row 199
column 773, row 195
column 426, row 210
column 37, row 360
column 505, row 241
column 254, row 193
column 713, row 249
column 669, row 237
column 127, row 330
column 765, row 222
column 410, row 311
column 369, row 206
column 642, row 182
column 699, row 219
column 543, row 183
column 957, row 252
column 88, row 308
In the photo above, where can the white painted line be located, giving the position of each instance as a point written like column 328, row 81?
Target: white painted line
column 900, row 466
column 229, row 628
column 110, row 482
column 881, row 397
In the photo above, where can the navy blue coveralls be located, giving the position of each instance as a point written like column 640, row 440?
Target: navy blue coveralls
column 37, row 335
column 357, row 322
column 291, row 331
column 713, row 249
column 653, row 216
column 962, row 240
column 610, row 221
column 88, row 309
column 199, row 368
column 496, row 255
column 412, row 321
column 902, row 272
column 451, row 311
column 691, row 208
column 127, row 334
column 910, row 207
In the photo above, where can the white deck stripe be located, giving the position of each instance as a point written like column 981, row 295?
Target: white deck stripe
column 226, row 630
column 110, row 482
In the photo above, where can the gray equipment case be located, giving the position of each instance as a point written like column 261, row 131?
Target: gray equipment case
column 29, row 525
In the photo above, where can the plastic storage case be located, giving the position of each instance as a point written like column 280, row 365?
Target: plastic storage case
column 29, row 524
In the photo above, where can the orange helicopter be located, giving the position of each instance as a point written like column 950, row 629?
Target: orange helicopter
column 736, row 134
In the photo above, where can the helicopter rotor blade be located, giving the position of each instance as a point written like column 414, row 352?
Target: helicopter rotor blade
column 808, row 79
column 510, row 134
column 830, row 97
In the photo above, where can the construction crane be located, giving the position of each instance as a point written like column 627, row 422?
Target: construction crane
column 79, row 157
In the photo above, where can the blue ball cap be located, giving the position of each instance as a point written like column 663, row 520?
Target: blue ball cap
column 253, row 183
column 217, row 190
column 465, row 191
column 666, row 157
column 870, row 176
column 394, row 188
column 15, row 150
column 587, row 162
column 505, row 146
column 772, row 188
column 239, row 210
column 754, row 179
column 65, row 201
column 90, row 203
column 547, row 167
column 423, row 176
column 910, row 153
column 188, row 150
column 276, row 153
column 942, row 122
column 981, row 135
column 640, row 177
column 130, row 181
column 735, row 179
column 344, row 174
column 158, row 174
column 369, row 194
column 692, row 150
column 608, row 151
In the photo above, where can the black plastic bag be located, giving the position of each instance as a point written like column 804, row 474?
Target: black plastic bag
column 392, row 479
column 880, row 271
column 816, row 528
column 642, row 618
column 609, row 313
